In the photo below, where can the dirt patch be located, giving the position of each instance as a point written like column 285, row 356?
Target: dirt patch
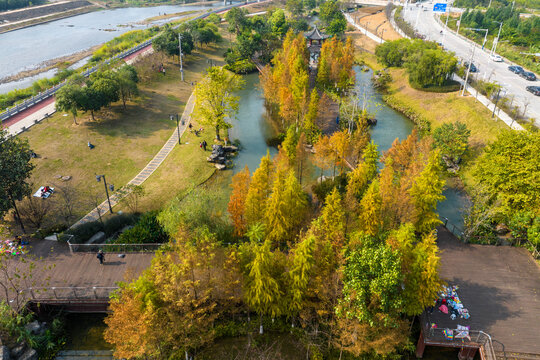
column 377, row 24
column 39, row 11
column 362, row 41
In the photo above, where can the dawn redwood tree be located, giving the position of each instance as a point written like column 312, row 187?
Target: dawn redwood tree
column 214, row 99
column 15, row 169
column 258, row 193
column 237, row 201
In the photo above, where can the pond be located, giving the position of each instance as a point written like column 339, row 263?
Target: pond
column 251, row 129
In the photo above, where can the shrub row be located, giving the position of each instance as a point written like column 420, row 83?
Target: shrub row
column 84, row 232
column 423, row 124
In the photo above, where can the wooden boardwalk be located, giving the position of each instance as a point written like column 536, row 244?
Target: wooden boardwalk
column 500, row 285
column 81, row 271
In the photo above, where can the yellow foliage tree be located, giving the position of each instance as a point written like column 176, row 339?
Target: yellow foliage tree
column 258, row 193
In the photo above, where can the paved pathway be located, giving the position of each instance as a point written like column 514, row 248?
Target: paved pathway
column 148, row 169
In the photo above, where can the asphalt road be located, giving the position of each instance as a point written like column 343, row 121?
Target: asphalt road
column 513, row 85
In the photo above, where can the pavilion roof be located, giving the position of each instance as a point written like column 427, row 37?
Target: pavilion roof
column 315, row 34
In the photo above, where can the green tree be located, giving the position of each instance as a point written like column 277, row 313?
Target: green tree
column 509, row 170
column 452, row 139
column 261, row 288
column 236, row 17
column 278, row 22
column 214, row 101
column 258, row 193
column 370, row 219
column 15, row 169
column 332, row 220
column 127, row 82
column 300, row 267
column 68, row 99
column 167, row 42
column 426, row 192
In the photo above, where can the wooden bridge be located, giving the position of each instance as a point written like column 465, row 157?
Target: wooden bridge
column 76, row 281
column 500, row 286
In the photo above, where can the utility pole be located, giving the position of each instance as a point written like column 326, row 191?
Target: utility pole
column 459, row 23
column 496, row 101
column 468, row 70
column 496, row 41
column 180, row 56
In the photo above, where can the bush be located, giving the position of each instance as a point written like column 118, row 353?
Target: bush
column 117, row 222
column 242, row 67
column 58, row 228
column 84, row 232
column 448, row 86
column 146, row 230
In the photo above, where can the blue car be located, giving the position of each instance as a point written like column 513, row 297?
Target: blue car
column 516, row 69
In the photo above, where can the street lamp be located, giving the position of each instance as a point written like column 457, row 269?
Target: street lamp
column 496, row 41
column 171, row 117
column 485, row 37
column 111, row 186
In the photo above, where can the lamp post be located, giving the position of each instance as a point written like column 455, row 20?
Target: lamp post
column 111, row 186
column 180, row 55
column 382, row 34
column 171, row 117
column 496, row 41
column 468, row 71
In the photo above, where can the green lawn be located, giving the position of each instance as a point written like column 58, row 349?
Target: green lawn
column 126, row 140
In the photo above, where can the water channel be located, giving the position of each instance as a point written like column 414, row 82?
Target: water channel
column 252, row 131
column 27, row 48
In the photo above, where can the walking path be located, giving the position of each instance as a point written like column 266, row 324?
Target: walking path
column 148, row 169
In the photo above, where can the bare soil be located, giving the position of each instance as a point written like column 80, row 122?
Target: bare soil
column 33, row 12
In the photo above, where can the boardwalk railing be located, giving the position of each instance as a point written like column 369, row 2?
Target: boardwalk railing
column 476, row 339
column 113, row 248
column 50, row 92
column 69, row 293
column 453, row 228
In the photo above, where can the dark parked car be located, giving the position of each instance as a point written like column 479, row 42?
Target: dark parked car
column 528, row 75
column 534, row 89
column 515, row 69
column 473, row 68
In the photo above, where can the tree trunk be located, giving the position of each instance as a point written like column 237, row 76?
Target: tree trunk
column 261, row 330
column 217, row 133
column 17, row 215
column 92, row 113
column 124, row 101
column 75, row 119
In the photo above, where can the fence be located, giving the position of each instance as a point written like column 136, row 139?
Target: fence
column 112, row 248
column 454, row 229
column 475, row 339
column 50, row 92
column 69, row 293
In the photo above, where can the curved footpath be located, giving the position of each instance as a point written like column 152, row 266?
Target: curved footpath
column 148, row 169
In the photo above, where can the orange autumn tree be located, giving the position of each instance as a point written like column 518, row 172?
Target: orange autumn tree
column 335, row 64
column 286, row 83
column 237, row 201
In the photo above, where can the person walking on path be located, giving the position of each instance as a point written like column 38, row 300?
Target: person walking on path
column 101, row 257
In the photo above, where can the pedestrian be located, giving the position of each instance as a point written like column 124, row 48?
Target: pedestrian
column 204, row 145
column 190, row 126
column 101, row 257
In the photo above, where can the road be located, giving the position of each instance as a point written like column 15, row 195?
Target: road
column 514, row 85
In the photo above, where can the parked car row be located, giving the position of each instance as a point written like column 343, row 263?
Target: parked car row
column 521, row 72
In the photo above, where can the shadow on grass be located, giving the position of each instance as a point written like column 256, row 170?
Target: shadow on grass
column 138, row 120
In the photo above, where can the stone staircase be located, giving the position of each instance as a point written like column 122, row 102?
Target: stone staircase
column 85, row 355
column 507, row 355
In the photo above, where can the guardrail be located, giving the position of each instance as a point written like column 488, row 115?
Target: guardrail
column 69, row 293
column 454, row 229
column 475, row 339
column 51, row 91
column 113, row 248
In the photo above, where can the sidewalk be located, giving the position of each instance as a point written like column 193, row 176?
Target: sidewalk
column 148, row 170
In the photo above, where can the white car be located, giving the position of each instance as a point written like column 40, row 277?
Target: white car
column 496, row 58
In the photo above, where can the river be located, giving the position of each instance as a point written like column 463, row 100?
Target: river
column 27, row 48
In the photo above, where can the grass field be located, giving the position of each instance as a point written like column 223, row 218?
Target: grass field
column 125, row 140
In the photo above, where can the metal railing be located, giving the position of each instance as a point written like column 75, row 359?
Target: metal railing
column 51, row 91
column 454, row 229
column 113, row 248
column 475, row 339
column 70, row 293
